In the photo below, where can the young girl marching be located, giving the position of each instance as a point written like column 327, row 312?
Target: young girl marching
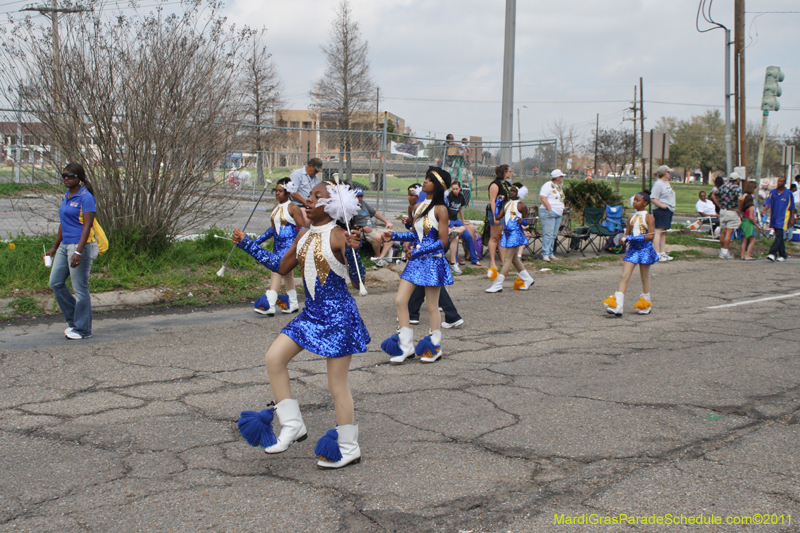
column 329, row 325
column 427, row 267
column 639, row 236
column 513, row 237
column 283, row 230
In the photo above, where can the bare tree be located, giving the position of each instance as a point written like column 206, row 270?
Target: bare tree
column 346, row 87
column 565, row 135
column 261, row 96
column 144, row 103
column 614, row 148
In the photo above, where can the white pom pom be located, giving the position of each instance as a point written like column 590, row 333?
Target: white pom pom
column 333, row 205
column 522, row 192
column 290, row 187
column 417, row 190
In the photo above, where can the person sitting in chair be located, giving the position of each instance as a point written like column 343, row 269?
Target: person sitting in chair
column 705, row 210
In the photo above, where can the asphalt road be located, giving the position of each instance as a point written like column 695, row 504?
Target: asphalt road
column 542, row 405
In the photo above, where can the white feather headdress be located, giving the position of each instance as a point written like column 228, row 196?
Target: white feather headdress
column 290, row 187
column 417, row 190
column 333, row 206
column 522, row 192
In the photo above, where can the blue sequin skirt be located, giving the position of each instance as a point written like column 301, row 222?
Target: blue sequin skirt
column 513, row 235
column 641, row 253
column 330, row 324
column 282, row 242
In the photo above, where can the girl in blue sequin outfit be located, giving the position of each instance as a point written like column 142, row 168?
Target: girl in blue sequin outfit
column 427, row 267
column 639, row 236
column 514, row 237
column 283, row 230
column 329, row 325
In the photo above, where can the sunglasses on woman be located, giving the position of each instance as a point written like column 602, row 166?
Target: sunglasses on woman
column 68, row 175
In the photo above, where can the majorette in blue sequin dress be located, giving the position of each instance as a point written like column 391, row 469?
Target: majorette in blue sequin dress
column 431, row 269
column 640, row 250
column 283, row 230
column 513, row 234
column 329, row 324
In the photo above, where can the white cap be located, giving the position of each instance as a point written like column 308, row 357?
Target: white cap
column 557, row 174
column 734, row 176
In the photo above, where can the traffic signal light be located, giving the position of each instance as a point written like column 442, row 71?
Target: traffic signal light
column 769, row 102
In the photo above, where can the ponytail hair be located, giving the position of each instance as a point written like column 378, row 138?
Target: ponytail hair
column 77, row 169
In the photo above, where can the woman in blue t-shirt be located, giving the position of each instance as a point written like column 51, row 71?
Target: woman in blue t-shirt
column 74, row 251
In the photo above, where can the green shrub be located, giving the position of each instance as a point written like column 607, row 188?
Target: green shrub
column 582, row 194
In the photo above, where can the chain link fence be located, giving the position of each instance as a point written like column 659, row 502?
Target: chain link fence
column 382, row 163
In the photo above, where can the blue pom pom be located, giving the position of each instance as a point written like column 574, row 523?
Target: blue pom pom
column 262, row 303
column 392, row 346
column 327, row 448
column 256, row 428
column 426, row 348
column 283, row 301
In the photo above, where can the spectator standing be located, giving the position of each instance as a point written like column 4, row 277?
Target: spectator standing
column 550, row 211
column 796, row 193
column 714, row 196
column 499, row 190
column 663, row 199
column 305, row 179
column 728, row 216
column 749, row 227
column 781, row 207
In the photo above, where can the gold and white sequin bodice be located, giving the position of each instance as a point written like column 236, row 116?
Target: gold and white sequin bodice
column 639, row 223
column 316, row 257
column 512, row 211
column 280, row 216
column 423, row 224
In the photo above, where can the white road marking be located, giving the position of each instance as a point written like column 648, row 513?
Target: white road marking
column 755, row 301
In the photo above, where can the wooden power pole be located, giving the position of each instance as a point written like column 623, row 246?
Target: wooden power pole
column 739, row 83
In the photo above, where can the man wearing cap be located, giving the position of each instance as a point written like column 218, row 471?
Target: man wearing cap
column 552, row 198
column 729, row 220
column 363, row 221
column 663, row 199
column 305, row 179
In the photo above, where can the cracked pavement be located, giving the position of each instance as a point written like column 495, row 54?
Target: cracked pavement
column 542, row 404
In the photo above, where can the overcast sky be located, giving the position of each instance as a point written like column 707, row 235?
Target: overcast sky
column 439, row 62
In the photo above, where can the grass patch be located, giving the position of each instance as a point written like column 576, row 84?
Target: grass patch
column 13, row 190
column 26, row 306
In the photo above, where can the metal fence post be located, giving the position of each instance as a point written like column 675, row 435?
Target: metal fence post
column 383, row 158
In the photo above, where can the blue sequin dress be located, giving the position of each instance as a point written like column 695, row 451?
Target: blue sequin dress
column 283, row 231
column 329, row 324
column 640, row 250
column 513, row 234
column 428, row 270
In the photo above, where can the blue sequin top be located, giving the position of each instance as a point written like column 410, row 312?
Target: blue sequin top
column 432, row 269
column 329, row 324
column 513, row 234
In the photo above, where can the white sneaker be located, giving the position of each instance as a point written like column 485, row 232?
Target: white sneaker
column 66, row 331
column 667, row 257
column 455, row 268
column 456, row 324
column 413, row 322
column 771, row 257
column 75, row 336
column 546, row 259
column 781, row 259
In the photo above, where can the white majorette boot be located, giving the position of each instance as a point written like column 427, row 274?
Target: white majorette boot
column 430, row 347
column 644, row 304
column 339, row 447
column 292, row 427
column 400, row 346
column 613, row 304
column 293, row 308
column 523, row 281
column 497, row 285
column 272, row 298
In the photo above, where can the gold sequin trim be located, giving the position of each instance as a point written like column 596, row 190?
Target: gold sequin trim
column 323, row 268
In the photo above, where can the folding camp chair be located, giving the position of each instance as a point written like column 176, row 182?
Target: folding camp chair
column 596, row 233
column 536, row 233
column 613, row 223
column 567, row 240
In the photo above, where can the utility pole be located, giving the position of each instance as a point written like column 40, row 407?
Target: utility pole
column 739, row 82
column 641, row 125
column 507, row 112
column 519, row 139
column 596, row 134
column 633, row 155
column 53, row 10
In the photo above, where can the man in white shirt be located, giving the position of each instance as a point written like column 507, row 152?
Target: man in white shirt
column 706, row 210
column 305, row 179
